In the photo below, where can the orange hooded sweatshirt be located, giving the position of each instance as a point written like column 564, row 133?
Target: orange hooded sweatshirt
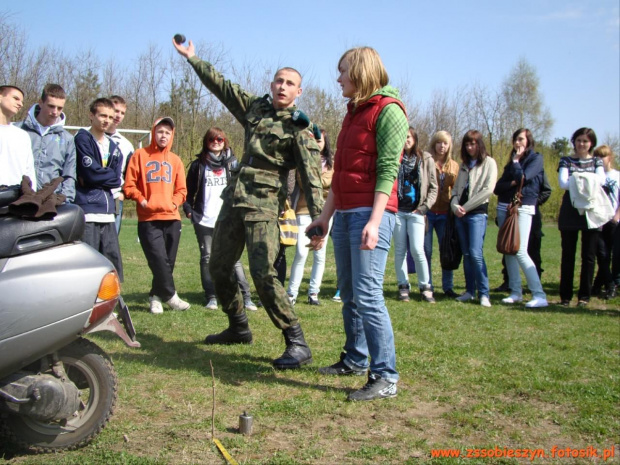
column 157, row 175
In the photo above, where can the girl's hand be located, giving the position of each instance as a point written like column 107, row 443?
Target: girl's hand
column 460, row 211
column 370, row 236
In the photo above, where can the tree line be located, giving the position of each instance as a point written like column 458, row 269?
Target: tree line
column 159, row 82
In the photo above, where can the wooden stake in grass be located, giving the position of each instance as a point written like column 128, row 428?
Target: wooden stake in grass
column 213, row 406
column 219, row 445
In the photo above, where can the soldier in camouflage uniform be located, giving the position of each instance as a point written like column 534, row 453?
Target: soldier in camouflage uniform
column 277, row 138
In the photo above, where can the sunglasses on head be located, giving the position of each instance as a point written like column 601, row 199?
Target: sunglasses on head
column 217, row 139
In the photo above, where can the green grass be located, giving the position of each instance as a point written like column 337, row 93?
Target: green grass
column 470, row 378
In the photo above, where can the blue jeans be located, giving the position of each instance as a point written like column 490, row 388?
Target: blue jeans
column 299, row 262
column 437, row 221
column 367, row 323
column 471, row 230
column 522, row 258
column 118, row 216
column 410, row 226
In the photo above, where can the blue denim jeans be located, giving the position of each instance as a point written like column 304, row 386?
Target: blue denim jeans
column 522, row 258
column 437, row 221
column 410, row 226
column 299, row 262
column 367, row 323
column 472, row 230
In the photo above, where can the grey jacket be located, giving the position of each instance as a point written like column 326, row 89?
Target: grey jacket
column 480, row 180
column 428, row 184
column 54, row 152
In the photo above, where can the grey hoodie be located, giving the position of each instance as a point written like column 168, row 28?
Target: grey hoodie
column 54, row 152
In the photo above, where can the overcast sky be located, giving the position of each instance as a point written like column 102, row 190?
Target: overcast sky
column 433, row 45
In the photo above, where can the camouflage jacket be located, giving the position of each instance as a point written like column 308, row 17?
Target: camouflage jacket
column 274, row 144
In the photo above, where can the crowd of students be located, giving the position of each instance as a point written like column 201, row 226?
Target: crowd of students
column 380, row 187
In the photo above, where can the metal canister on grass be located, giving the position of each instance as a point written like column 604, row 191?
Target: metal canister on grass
column 245, row 424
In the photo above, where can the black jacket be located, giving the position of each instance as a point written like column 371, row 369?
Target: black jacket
column 195, row 180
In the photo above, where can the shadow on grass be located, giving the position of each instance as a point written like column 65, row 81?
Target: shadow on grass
column 10, row 451
column 575, row 310
column 233, row 368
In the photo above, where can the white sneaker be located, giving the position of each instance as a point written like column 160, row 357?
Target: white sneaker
column 512, row 299
column 465, row 297
column 155, row 304
column 537, row 302
column 212, row 304
column 176, row 303
column 484, row 301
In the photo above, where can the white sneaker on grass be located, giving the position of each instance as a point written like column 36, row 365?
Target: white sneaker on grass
column 176, row 303
column 249, row 305
column 512, row 299
column 155, row 305
column 484, row 301
column 537, row 302
column 212, row 304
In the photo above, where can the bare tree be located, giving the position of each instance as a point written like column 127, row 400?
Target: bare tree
column 524, row 107
column 84, row 86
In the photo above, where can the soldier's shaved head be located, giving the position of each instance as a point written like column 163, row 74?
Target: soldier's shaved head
column 287, row 68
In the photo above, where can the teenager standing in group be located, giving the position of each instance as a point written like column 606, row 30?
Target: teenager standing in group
column 363, row 201
column 570, row 221
column 446, row 170
column 417, row 191
column 524, row 168
column 608, row 275
column 156, row 181
column 470, row 203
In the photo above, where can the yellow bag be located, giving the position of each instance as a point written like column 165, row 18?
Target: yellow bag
column 288, row 226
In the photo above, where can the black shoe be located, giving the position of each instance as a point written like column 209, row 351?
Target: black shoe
column 611, row 292
column 297, row 352
column 341, row 369
column 565, row 303
column 450, row 293
column 375, row 388
column 502, row 288
column 238, row 332
column 313, row 299
column 583, row 303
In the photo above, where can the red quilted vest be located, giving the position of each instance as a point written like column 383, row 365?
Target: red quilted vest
column 355, row 165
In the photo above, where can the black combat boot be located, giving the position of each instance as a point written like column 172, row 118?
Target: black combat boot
column 238, row 332
column 297, row 352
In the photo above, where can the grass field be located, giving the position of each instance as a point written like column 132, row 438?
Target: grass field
column 471, row 378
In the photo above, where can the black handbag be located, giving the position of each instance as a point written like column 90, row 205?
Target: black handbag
column 450, row 253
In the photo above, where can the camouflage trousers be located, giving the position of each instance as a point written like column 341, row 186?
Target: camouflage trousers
column 233, row 232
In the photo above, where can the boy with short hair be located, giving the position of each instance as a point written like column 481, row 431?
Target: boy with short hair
column 99, row 163
column 52, row 146
column 155, row 179
column 126, row 148
column 15, row 152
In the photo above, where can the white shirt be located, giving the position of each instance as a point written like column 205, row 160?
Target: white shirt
column 15, row 156
column 126, row 149
column 215, row 182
